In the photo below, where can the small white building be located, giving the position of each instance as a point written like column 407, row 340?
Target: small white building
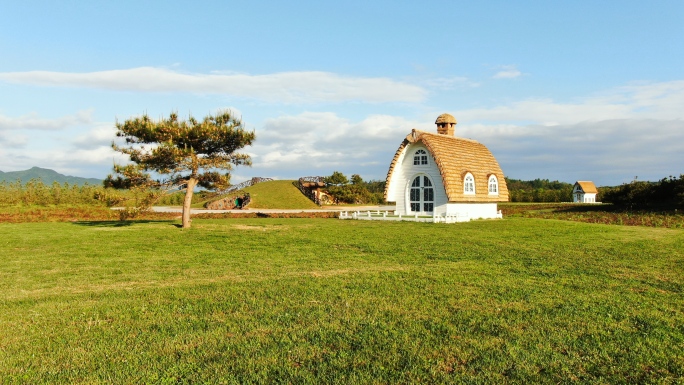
column 439, row 174
column 584, row 192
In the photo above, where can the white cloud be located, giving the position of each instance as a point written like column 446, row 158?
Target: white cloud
column 321, row 142
column 507, row 72
column 15, row 141
column 102, row 135
column 449, row 83
column 608, row 140
column 546, row 112
column 646, row 101
column 609, row 152
column 35, row 122
column 285, row 87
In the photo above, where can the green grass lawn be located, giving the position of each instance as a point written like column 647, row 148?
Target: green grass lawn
column 328, row 301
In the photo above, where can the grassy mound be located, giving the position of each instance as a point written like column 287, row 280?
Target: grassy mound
column 277, row 194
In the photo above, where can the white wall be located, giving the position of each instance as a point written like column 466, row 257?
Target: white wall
column 403, row 174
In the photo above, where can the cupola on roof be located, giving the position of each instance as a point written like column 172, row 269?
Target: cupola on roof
column 445, row 118
column 445, row 124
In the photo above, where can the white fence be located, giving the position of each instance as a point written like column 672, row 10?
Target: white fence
column 392, row 216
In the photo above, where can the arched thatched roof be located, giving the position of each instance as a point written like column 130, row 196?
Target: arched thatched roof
column 454, row 158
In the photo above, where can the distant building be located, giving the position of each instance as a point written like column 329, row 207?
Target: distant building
column 441, row 175
column 584, row 192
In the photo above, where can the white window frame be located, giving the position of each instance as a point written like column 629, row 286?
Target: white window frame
column 469, row 184
column 421, row 158
column 421, row 192
column 493, row 185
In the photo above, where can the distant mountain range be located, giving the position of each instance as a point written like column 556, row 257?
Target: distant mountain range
column 47, row 176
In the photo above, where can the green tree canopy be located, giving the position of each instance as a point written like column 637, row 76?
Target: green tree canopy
column 356, row 179
column 186, row 152
column 336, row 179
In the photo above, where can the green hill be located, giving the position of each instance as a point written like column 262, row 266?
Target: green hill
column 47, row 176
column 277, row 194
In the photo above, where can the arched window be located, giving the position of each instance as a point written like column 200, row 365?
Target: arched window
column 422, row 195
column 493, row 185
column 469, row 184
column 420, row 158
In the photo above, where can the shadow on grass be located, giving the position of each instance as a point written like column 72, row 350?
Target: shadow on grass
column 122, row 223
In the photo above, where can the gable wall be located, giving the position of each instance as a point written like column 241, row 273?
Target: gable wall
column 403, row 174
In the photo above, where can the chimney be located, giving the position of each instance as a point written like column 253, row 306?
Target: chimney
column 446, row 124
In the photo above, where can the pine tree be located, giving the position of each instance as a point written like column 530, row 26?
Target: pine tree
column 186, row 152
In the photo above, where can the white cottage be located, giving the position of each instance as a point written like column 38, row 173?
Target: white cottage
column 440, row 174
column 584, row 192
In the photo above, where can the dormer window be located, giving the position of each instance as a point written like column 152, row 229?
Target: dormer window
column 493, row 185
column 420, row 158
column 469, row 184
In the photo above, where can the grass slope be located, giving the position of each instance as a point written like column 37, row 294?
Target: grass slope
column 277, row 194
column 329, row 301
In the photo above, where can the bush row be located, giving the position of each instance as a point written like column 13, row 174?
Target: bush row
column 35, row 192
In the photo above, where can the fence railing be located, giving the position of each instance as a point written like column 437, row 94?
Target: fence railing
column 308, row 192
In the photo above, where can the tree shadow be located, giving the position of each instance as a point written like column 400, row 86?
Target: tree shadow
column 122, row 223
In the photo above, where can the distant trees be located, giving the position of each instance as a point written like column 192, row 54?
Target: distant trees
column 664, row 194
column 341, row 190
column 539, row 190
column 187, row 152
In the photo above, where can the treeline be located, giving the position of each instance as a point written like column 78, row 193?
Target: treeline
column 35, row 192
column 355, row 190
column 539, row 190
column 340, row 189
column 668, row 193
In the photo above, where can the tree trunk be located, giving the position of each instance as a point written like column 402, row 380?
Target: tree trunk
column 192, row 182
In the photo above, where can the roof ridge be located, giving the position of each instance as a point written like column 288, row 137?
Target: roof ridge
column 421, row 133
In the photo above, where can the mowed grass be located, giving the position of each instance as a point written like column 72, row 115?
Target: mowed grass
column 328, row 301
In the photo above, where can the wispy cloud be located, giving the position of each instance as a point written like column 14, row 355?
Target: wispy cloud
column 321, row 142
column 100, row 135
column 609, row 152
column 507, row 72
column 644, row 101
column 449, row 83
column 13, row 140
column 35, row 122
column 284, row 87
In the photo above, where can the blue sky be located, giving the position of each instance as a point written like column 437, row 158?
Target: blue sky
column 557, row 90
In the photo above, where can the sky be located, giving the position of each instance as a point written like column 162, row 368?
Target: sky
column 566, row 91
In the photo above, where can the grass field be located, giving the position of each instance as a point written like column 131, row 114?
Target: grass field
column 327, row 301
